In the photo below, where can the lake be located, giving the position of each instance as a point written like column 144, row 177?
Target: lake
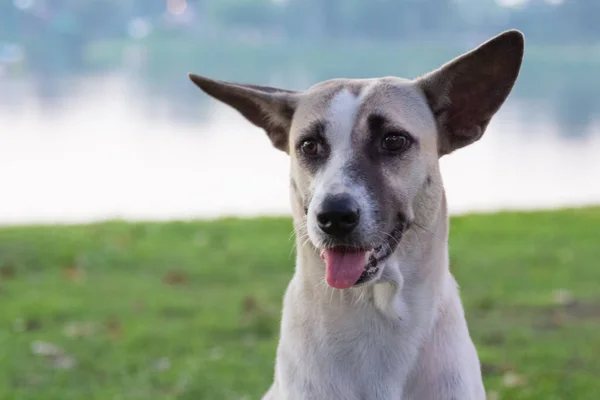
column 111, row 144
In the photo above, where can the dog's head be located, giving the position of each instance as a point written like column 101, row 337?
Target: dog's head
column 364, row 152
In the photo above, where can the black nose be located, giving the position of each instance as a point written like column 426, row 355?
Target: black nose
column 338, row 215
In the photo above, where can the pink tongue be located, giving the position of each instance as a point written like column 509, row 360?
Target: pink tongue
column 343, row 268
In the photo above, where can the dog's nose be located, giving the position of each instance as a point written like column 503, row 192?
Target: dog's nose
column 338, row 215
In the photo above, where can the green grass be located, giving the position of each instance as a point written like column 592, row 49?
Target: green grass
column 190, row 310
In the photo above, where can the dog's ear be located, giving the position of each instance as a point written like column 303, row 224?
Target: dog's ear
column 465, row 93
column 269, row 108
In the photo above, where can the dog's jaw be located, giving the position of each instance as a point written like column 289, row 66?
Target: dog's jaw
column 377, row 259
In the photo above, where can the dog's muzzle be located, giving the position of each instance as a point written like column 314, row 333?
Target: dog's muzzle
column 352, row 265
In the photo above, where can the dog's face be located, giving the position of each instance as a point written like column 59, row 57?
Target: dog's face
column 364, row 153
column 361, row 152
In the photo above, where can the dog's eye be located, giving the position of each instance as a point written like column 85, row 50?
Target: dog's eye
column 310, row 147
column 395, row 142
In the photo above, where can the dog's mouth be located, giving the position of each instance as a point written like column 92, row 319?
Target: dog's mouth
column 348, row 266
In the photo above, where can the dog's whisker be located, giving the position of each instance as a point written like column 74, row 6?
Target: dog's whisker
column 362, row 294
column 420, row 240
column 359, row 296
column 427, row 231
column 305, row 240
column 292, row 234
column 331, row 296
column 321, row 282
column 392, row 237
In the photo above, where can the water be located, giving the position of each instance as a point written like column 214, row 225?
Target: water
column 103, row 147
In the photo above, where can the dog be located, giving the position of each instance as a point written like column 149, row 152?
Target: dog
column 372, row 311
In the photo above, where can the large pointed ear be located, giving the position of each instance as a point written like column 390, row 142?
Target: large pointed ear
column 268, row 108
column 465, row 93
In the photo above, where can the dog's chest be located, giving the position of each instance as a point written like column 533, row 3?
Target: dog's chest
column 352, row 355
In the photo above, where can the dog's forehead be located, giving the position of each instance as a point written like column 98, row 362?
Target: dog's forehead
column 344, row 102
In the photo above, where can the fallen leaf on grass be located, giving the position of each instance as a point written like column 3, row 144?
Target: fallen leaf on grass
column 54, row 354
column 175, row 278
column 7, row 271
column 30, row 380
column 493, row 338
column 485, row 304
column 563, row 297
column 201, row 239
column 575, row 363
column 249, row 306
column 493, row 395
column 215, row 354
column 511, row 380
column 139, row 306
column 74, row 273
column 558, row 319
column 114, row 329
column 249, row 340
column 46, row 349
column 63, row 362
column 162, row 364
column 258, row 319
column 123, row 242
column 452, row 263
column 488, row 369
column 26, row 324
column 80, row 329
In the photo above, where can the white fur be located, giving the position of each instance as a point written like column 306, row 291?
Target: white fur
column 341, row 117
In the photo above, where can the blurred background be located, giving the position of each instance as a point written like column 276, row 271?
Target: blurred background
column 98, row 121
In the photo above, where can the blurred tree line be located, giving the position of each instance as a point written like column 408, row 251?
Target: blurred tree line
column 56, row 36
column 566, row 21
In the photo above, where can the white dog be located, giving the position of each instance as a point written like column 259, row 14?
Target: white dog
column 372, row 311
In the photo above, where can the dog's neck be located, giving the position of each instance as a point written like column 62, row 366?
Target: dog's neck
column 418, row 267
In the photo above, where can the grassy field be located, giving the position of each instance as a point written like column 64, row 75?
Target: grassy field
column 190, row 310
